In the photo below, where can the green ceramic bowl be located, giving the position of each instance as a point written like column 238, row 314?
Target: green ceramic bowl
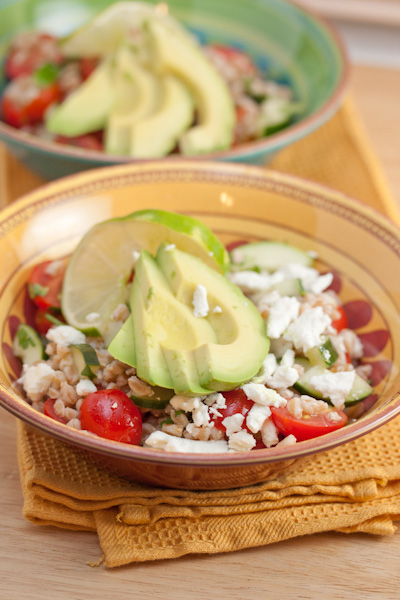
column 288, row 43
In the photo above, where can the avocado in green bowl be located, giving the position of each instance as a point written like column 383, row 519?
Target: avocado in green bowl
column 290, row 47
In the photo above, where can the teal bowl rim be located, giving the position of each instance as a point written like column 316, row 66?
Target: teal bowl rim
column 247, row 151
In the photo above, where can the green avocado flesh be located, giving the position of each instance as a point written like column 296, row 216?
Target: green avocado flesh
column 172, row 348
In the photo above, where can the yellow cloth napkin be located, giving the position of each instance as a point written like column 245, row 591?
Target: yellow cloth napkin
column 355, row 487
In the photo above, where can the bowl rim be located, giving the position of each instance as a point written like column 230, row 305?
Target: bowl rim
column 244, row 151
column 68, row 187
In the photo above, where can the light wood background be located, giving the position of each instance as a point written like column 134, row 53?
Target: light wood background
column 38, row 563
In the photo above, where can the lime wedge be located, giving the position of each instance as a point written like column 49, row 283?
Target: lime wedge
column 99, row 269
column 103, row 34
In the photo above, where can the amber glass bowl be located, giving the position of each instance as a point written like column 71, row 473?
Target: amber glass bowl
column 238, row 203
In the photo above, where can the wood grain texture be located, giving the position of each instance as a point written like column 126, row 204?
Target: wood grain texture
column 44, row 562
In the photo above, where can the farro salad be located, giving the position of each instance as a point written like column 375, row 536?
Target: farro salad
column 152, row 334
column 135, row 82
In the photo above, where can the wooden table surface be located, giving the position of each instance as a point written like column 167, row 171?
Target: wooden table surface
column 44, row 562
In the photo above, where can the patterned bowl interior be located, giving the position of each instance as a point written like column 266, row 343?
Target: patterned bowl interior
column 238, row 203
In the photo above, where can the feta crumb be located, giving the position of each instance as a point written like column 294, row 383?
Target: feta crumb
column 241, row 441
column 233, row 424
column 287, row 359
column 85, row 387
column 54, row 267
column 250, row 281
column 200, row 415
column 256, row 417
column 262, row 395
column 281, row 313
column 288, row 441
column 283, row 377
column 37, row 379
column 171, row 443
column 217, row 309
column 92, row 317
column 333, row 416
column 269, row 433
column 268, row 367
column 217, row 398
column 64, row 335
column 305, row 332
column 169, row 247
column 200, row 302
column 323, row 282
column 185, row 403
column 335, row 386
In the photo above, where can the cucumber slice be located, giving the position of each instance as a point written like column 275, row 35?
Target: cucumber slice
column 27, row 345
column 304, row 362
column 268, row 256
column 324, row 355
column 85, row 359
column 158, row 401
column 360, row 390
column 289, row 287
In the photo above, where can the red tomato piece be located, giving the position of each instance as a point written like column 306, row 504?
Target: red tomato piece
column 89, row 141
column 305, row 429
column 45, row 285
column 42, row 324
column 50, row 412
column 29, row 51
column 113, row 415
column 236, row 402
column 24, row 102
column 236, row 58
column 341, row 322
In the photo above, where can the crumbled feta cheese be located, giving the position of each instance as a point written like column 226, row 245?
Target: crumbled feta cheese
column 200, row 415
column 269, row 365
column 256, row 417
column 85, row 387
column 283, row 377
column 184, row 403
column 233, row 424
column 335, row 386
column 54, row 267
column 262, row 395
column 217, row 309
column 305, row 332
column 333, row 416
column 92, row 317
column 169, row 247
column 287, row 441
column 241, row 441
column 320, row 284
column 216, row 399
column 287, row 359
column 37, row 379
column 269, row 433
column 278, row 347
column 281, row 313
column 64, row 335
column 250, row 281
column 171, row 443
column 200, row 302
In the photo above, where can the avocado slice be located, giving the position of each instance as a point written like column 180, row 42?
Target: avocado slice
column 122, row 346
column 86, row 109
column 176, row 52
column 137, row 92
column 157, row 134
column 165, row 331
column 241, row 342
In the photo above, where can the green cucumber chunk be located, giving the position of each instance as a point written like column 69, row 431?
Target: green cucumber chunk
column 289, row 287
column 324, row 355
column 360, row 389
column 158, row 401
column 268, row 256
column 85, row 360
column 27, row 345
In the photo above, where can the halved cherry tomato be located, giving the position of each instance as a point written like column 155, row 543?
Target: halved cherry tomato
column 236, row 402
column 113, row 415
column 341, row 322
column 29, row 51
column 89, row 141
column 305, row 428
column 50, row 412
column 87, row 66
column 237, row 58
column 24, row 102
column 45, row 287
column 42, row 323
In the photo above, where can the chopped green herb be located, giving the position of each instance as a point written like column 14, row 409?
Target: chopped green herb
column 256, row 269
column 24, row 339
column 53, row 319
column 36, row 290
column 46, row 75
column 167, row 421
column 179, row 412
